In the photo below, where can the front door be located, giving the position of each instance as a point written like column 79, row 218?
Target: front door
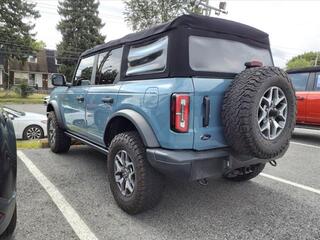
column 74, row 100
column 102, row 96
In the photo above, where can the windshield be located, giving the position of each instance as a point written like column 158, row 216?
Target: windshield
column 221, row 55
column 13, row 112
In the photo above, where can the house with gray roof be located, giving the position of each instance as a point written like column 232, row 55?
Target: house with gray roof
column 35, row 71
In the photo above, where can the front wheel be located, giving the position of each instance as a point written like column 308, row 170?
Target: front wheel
column 58, row 141
column 135, row 185
column 11, row 227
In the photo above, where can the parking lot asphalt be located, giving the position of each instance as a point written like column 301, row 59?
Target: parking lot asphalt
column 34, row 108
column 262, row 208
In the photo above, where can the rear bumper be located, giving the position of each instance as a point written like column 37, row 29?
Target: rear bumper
column 7, row 207
column 193, row 165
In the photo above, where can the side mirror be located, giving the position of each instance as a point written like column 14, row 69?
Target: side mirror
column 58, row 79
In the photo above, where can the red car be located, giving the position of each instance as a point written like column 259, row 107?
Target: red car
column 306, row 82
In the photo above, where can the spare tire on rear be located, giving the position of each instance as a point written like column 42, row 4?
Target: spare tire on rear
column 259, row 112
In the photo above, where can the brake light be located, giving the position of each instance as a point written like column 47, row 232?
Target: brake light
column 180, row 110
column 253, row 64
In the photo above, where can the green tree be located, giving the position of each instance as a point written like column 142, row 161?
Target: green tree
column 307, row 59
column 141, row 14
column 16, row 36
column 80, row 27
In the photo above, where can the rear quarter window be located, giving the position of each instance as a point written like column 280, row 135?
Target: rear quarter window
column 148, row 58
column 220, row 55
column 299, row 81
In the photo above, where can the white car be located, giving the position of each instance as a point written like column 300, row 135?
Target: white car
column 46, row 100
column 28, row 125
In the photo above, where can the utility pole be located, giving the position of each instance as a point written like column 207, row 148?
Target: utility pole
column 316, row 61
column 206, row 8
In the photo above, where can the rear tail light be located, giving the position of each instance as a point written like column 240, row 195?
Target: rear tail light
column 180, row 111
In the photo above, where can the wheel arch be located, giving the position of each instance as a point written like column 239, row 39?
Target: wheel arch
column 53, row 107
column 127, row 120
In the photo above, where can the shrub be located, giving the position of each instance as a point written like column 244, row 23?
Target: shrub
column 24, row 90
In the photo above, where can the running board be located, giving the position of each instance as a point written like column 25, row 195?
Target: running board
column 87, row 142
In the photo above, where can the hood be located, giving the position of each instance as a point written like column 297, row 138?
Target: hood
column 35, row 116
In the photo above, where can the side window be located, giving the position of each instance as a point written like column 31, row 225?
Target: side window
column 148, row 58
column 109, row 66
column 84, row 72
column 317, row 82
column 299, row 81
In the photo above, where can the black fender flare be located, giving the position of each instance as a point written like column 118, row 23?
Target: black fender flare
column 54, row 105
column 147, row 135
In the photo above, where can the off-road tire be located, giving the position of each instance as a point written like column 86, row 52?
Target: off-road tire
column 148, row 182
column 240, row 108
column 6, row 235
column 62, row 142
column 245, row 173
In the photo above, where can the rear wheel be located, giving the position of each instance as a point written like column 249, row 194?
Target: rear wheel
column 58, row 141
column 135, row 185
column 245, row 173
column 33, row 132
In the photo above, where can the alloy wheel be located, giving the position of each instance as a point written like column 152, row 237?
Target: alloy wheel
column 124, row 173
column 272, row 113
column 34, row 133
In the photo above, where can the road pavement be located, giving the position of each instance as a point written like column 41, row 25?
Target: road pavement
column 262, row 208
column 34, row 108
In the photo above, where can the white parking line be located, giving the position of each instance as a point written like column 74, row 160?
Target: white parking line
column 298, row 185
column 73, row 218
column 306, row 145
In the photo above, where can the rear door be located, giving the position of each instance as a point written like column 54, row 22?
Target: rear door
column 208, row 129
column 300, row 83
column 313, row 103
column 102, row 96
column 219, row 60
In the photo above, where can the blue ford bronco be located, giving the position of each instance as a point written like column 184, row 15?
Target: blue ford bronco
column 193, row 98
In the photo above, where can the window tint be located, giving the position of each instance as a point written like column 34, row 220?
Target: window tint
column 109, row 66
column 317, row 82
column 84, row 71
column 299, row 81
column 146, row 59
column 221, row 55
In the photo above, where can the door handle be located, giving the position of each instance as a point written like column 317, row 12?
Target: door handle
column 206, row 109
column 80, row 98
column 107, row 100
column 299, row 98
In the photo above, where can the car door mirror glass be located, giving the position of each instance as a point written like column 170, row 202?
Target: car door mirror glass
column 58, row 79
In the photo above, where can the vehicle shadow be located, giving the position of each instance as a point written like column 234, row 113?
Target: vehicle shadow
column 307, row 137
column 221, row 210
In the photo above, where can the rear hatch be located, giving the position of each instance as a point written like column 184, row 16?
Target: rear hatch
column 220, row 60
column 208, row 129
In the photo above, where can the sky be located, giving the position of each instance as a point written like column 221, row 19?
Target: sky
column 293, row 26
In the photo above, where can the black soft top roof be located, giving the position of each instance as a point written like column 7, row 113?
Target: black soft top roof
column 306, row 69
column 235, row 30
